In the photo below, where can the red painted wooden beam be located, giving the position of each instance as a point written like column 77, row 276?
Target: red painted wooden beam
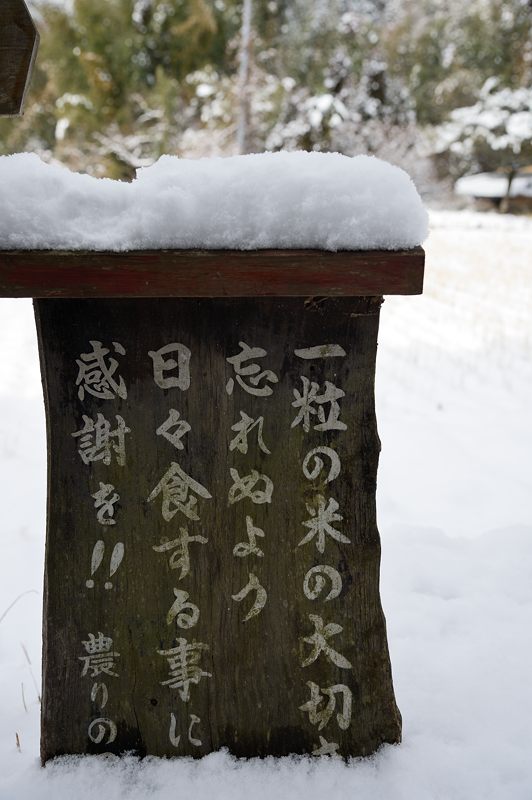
column 210, row 273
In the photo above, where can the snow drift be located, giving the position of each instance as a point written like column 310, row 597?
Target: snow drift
column 272, row 200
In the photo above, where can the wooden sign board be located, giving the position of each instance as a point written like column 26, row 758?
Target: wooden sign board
column 212, row 561
column 19, row 41
column 212, row 558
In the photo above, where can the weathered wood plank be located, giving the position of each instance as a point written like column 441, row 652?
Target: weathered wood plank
column 210, row 273
column 19, row 41
column 261, row 671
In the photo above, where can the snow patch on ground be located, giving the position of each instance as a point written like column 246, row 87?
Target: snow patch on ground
column 491, row 184
column 270, row 200
column 454, row 381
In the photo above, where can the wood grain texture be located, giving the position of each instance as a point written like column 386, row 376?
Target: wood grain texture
column 251, row 703
column 19, row 41
column 210, row 273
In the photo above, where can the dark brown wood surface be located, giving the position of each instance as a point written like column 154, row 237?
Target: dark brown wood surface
column 19, row 41
column 210, row 273
column 259, row 679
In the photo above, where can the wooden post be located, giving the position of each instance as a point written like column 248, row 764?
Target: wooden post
column 212, row 558
column 19, row 41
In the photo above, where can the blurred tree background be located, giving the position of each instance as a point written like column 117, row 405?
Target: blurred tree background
column 441, row 87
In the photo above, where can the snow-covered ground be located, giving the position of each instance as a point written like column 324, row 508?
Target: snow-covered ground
column 454, row 386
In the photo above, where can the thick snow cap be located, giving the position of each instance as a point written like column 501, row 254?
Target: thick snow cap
column 321, row 201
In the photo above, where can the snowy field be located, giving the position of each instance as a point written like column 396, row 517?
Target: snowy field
column 454, row 392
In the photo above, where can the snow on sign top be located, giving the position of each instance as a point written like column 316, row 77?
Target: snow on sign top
column 321, row 201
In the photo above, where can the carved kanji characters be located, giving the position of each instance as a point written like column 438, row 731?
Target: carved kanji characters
column 321, row 351
column 250, row 377
column 320, row 523
column 162, row 365
column 184, row 664
column 101, row 657
column 321, row 716
column 97, row 442
column 312, row 404
column 180, row 426
column 319, row 643
column 96, row 373
column 178, row 492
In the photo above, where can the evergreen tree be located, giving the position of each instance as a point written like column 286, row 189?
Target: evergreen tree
column 118, row 82
column 443, row 51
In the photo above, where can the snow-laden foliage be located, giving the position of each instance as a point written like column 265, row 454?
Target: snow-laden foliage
column 119, row 82
column 494, row 132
